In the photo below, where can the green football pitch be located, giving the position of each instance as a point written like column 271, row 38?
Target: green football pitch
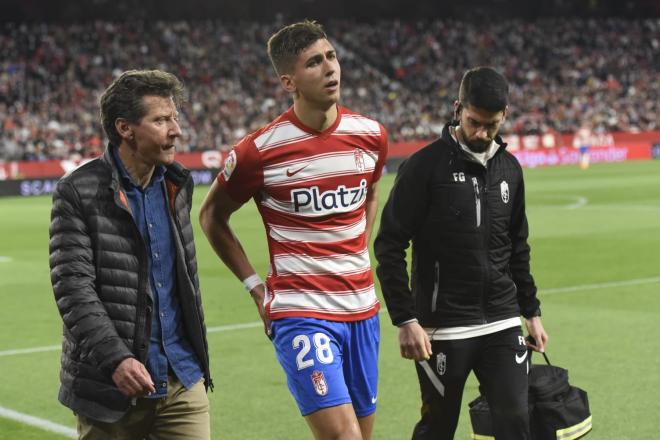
column 595, row 239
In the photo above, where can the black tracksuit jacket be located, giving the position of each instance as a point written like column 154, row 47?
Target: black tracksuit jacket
column 467, row 224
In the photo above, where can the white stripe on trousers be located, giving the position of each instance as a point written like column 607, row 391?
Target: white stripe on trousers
column 432, row 377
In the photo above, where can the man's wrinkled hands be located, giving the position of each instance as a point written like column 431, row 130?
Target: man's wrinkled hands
column 133, row 379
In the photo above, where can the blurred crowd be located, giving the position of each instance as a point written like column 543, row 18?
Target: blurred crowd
column 564, row 73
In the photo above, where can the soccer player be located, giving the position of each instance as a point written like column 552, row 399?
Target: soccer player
column 582, row 141
column 461, row 201
column 312, row 173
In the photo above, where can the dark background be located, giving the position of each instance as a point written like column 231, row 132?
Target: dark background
column 362, row 10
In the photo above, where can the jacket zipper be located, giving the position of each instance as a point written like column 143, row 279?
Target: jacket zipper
column 486, row 232
column 198, row 318
column 436, row 287
column 477, row 200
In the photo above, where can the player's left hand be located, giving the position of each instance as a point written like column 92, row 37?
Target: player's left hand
column 536, row 331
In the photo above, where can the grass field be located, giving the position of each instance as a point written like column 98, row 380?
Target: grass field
column 595, row 239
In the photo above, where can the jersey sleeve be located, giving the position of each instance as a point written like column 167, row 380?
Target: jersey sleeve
column 383, row 148
column 242, row 175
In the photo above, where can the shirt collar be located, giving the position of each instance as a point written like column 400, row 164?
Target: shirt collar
column 127, row 180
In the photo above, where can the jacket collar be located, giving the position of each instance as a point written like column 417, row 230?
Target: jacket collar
column 449, row 139
column 110, row 163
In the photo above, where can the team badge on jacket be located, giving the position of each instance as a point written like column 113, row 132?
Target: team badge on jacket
column 504, row 190
column 441, row 363
column 320, row 385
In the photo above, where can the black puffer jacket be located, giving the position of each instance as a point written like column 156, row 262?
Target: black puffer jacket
column 100, row 278
column 467, row 223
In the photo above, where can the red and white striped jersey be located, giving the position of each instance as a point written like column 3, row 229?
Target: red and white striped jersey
column 310, row 188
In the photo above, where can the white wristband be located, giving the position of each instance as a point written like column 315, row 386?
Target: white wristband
column 252, row 281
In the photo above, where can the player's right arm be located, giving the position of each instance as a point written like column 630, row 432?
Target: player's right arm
column 214, row 215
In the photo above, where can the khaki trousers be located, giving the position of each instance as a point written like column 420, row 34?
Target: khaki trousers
column 183, row 414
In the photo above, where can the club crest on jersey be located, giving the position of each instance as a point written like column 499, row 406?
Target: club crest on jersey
column 359, row 160
column 504, row 190
column 441, row 363
column 320, row 385
column 337, row 200
column 230, row 165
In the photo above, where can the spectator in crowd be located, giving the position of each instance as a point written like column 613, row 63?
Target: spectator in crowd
column 563, row 72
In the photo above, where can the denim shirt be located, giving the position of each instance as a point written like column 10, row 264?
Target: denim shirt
column 168, row 343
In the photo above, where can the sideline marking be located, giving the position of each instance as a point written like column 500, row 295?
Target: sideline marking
column 255, row 324
column 37, row 422
column 30, row 350
column 221, row 328
column 5, row 259
column 72, row 433
column 230, row 327
column 580, row 201
column 634, row 282
column 625, row 207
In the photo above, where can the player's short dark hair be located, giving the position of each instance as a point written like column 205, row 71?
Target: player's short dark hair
column 484, row 88
column 124, row 97
column 287, row 43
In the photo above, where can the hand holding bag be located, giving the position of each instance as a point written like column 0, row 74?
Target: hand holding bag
column 557, row 410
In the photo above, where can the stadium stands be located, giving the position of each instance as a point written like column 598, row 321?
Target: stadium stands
column 564, row 73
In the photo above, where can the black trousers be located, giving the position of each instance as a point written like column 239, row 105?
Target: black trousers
column 499, row 361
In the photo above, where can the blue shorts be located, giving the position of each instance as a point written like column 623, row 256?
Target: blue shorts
column 329, row 363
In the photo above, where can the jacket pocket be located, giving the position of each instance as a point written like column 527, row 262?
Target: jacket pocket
column 91, row 384
column 104, row 394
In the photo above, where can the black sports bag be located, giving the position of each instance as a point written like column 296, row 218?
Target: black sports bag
column 557, row 410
